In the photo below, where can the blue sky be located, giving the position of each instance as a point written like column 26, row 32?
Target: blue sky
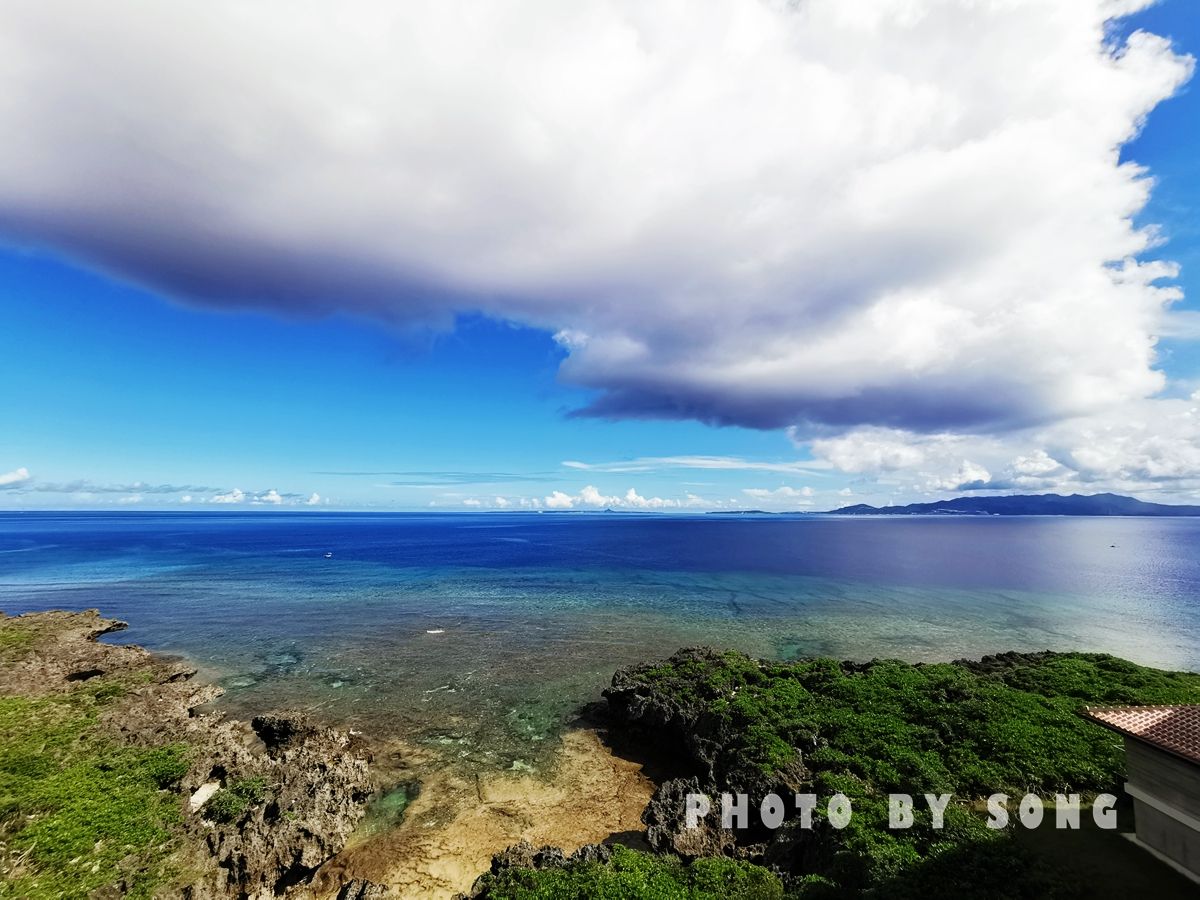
column 132, row 381
column 1168, row 147
column 113, row 385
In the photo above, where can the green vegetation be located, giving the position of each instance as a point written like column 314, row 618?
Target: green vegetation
column 19, row 637
column 14, row 643
column 941, row 728
column 234, row 800
column 1009, row 724
column 78, row 811
column 632, row 875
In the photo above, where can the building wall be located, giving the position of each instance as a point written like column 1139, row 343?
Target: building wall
column 1168, row 836
column 1174, row 784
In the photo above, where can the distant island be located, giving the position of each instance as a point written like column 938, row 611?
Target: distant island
column 1026, row 505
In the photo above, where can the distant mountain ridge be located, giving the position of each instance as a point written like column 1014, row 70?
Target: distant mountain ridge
column 1026, row 505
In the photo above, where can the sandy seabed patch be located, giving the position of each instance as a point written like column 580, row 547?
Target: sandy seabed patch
column 458, row 822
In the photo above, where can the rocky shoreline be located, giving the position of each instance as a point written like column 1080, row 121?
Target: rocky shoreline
column 261, row 805
column 253, row 809
column 718, row 722
column 117, row 778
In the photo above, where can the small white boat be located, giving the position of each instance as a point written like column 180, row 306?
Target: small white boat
column 329, row 556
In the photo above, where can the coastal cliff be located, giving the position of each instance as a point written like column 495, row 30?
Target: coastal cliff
column 114, row 780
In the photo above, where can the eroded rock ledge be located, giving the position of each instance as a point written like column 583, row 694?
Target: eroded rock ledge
column 262, row 805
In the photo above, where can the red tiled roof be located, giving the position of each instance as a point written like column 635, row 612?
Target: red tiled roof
column 1175, row 729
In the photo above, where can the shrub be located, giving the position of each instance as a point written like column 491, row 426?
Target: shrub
column 234, row 800
column 633, row 875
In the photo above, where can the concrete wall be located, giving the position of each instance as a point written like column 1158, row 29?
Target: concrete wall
column 1168, row 812
column 1168, row 836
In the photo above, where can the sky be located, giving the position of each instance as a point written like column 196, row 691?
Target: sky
column 528, row 255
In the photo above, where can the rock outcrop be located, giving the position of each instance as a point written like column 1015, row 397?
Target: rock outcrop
column 666, row 823
column 361, row 889
column 314, row 786
column 263, row 804
column 694, row 745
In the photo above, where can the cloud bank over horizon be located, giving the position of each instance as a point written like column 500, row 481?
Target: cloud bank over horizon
column 1146, row 448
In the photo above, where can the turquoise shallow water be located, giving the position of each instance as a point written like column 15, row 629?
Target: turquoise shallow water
column 478, row 635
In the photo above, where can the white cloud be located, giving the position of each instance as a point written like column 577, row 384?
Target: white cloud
column 968, row 476
column 784, row 495
column 15, row 477
column 270, row 497
column 920, row 463
column 84, row 490
column 873, row 450
column 1184, row 324
column 84, row 486
column 1142, row 445
column 501, row 502
column 634, row 500
column 592, row 498
column 559, row 500
column 1143, row 448
column 472, row 502
column 659, row 463
column 780, row 492
column 900, row 213
column 1038, row 464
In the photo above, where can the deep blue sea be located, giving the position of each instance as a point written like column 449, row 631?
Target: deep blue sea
column 479, row 634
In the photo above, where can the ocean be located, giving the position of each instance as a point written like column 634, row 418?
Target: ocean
column 480, row 635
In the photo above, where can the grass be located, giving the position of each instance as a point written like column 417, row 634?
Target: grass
column 79, row 812
column 17, row 639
